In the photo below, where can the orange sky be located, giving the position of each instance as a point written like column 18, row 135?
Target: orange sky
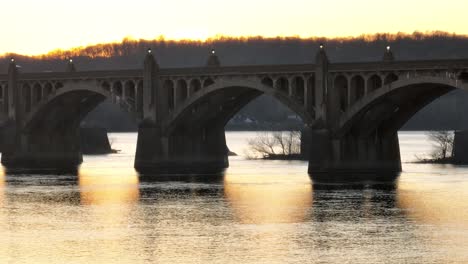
column 35, row 27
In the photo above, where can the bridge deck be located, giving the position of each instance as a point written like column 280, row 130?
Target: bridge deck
column 252, row 69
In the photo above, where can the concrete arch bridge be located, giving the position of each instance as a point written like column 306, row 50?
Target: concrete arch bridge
column 352, row 110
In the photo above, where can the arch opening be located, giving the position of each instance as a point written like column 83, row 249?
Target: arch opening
column 26, row 97
column 195, row 86
column 278, row 131
column 267, row 81
column 237, row 107
column 341, row 85
column 311, row 92
column 298, row 89
column 58, row 85
column 463, row 76
column 139, row 98
column 64, row 113
column 374, row 83
column 130, row 95
column 48, row 89
column 106, row 86
column 391, row 77
column 117, row 89
column 36, row 93
column 282, row 84
column 181, row 91
column 405, row 106
column 208, row 82
column 357, row 88
column 168, row 86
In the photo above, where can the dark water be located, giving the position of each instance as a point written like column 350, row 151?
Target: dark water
column 258, row 212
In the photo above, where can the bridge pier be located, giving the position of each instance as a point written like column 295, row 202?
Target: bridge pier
column 47, row 150
column 194, row 151
column 352, row 158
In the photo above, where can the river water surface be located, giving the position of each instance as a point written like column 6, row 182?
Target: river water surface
column 258, row 212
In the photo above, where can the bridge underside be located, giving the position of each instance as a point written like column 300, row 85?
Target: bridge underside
column 368, row 144
column 51, row 140
column 195, row 141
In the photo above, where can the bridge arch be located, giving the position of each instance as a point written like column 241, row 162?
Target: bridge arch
column 222, row 100
column 389, row 108
column 70, row 104
column 267, row 81
column 79, row 99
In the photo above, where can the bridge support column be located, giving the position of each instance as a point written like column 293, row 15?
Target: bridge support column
column 353, row 158
column 57, row 151
column 194, row 151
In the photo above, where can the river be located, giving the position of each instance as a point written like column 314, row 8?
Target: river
column 259, row 212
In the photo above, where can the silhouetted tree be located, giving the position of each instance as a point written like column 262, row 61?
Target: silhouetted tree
column 281, row 144
column 442, row 143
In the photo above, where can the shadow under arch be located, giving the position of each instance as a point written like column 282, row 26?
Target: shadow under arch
column 220, row 101
column 49, row 135
column 387, row 109
column 68, row 105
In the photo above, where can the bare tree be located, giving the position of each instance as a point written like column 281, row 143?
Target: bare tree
column 263, row 145
column 270, row 144
column 278, row 138
column 442, row 144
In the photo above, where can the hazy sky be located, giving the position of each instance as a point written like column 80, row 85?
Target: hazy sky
column 33, row 26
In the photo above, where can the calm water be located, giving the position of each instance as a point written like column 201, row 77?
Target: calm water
column 259, row 212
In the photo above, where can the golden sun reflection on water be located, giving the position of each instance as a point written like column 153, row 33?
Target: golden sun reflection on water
column 108, row 198
column 257, row 199
column 101, row 187
column 427, row 205
column 440, row 213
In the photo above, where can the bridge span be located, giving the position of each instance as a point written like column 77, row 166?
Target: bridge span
column 352, row 111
